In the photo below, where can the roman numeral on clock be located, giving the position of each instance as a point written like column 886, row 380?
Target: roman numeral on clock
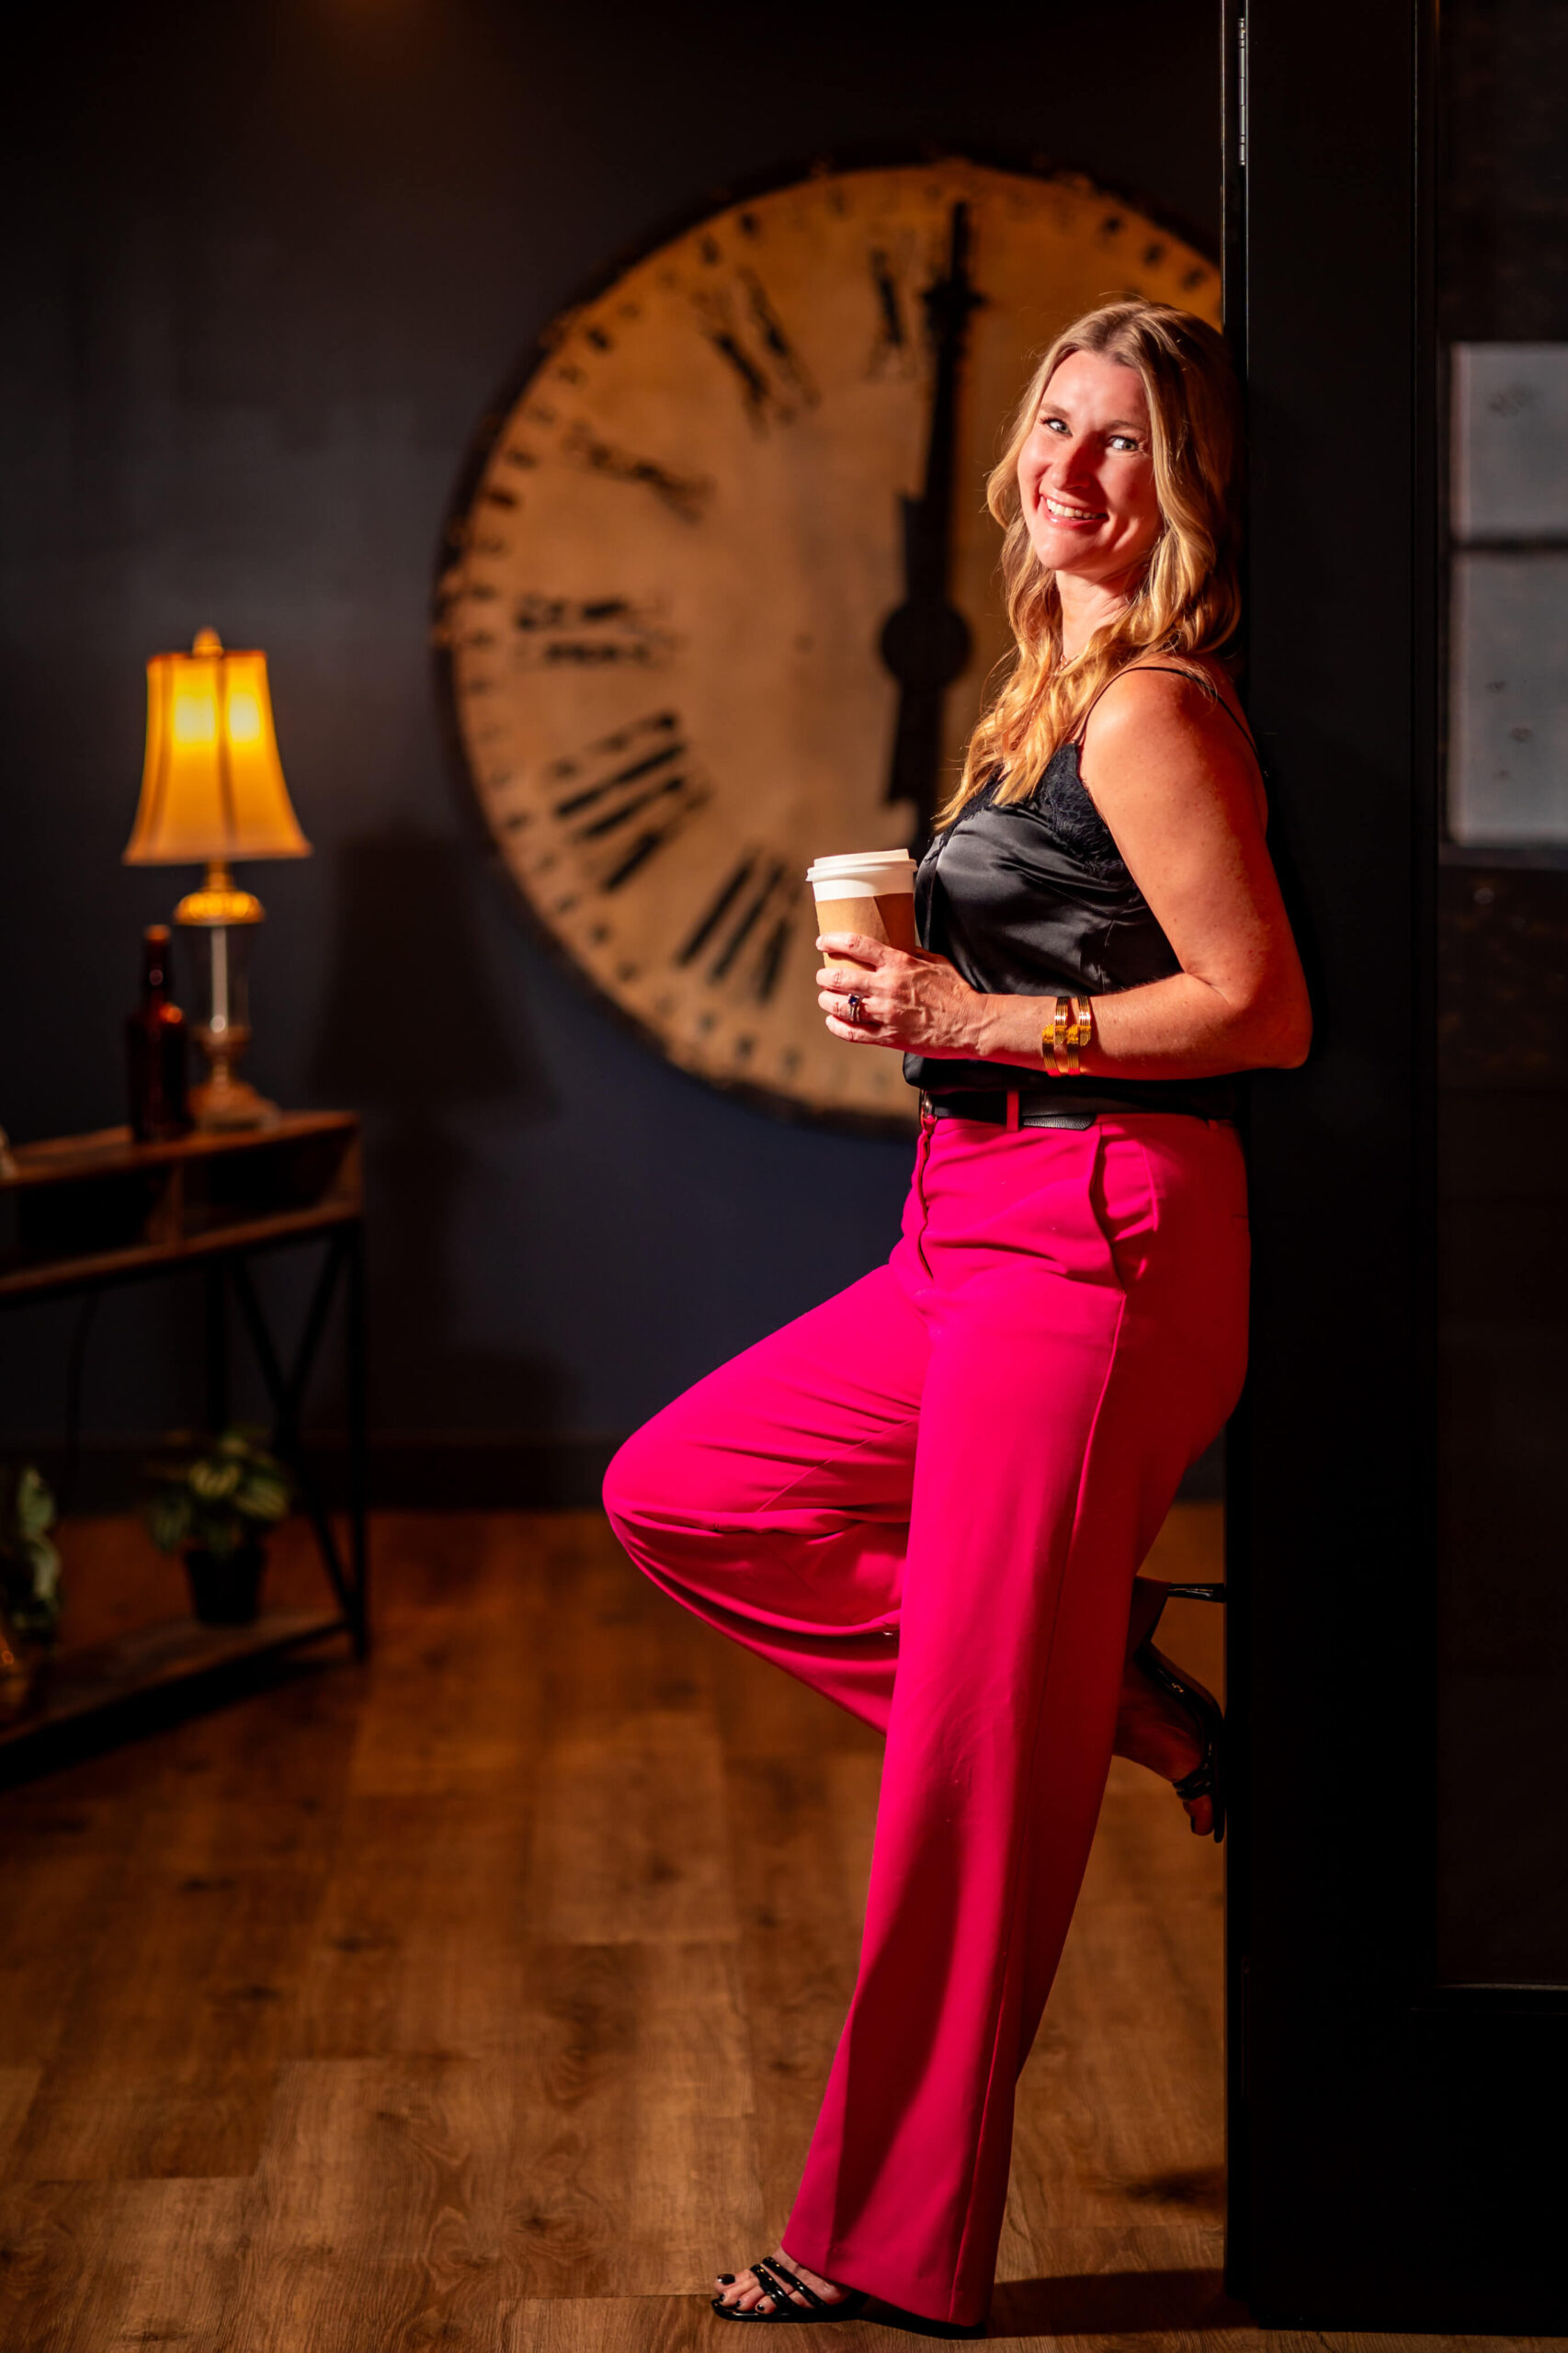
column 745, row 928
column 890, row 332
column 592, row 632
column 743, row 328
column 686, row 495
column 626, row 797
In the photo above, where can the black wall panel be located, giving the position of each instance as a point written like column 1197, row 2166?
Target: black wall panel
column 264, row 265
column 1393, row 2163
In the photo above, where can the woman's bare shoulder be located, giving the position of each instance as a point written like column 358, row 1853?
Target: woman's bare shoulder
column 1196, row 684
column 1167, row 703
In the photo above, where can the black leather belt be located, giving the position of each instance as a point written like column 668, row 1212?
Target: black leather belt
column 995, row 1108
column 1035, row 1113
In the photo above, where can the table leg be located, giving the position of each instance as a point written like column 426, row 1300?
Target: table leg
column 286, row 1393
column 356, row 1368
column 217, row 1304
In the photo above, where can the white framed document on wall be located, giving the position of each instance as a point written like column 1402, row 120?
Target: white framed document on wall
column 1507, row 733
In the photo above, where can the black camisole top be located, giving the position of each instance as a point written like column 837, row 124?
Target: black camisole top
column 1032, row 898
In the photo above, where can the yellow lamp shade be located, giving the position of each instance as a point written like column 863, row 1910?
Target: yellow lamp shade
column 213, row 787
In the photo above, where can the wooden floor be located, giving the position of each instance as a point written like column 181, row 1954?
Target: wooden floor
column 482, row 1997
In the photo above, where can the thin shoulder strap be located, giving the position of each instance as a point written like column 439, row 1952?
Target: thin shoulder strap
column 1175, row 670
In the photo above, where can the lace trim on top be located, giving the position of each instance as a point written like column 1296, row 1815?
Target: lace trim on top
column 1063, row 801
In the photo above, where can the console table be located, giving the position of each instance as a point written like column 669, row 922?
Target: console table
column 79, row 1214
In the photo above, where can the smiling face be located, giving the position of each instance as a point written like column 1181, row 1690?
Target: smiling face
column 1086, row 473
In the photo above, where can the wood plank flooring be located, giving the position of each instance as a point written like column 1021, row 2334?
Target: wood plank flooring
column 481, row 1998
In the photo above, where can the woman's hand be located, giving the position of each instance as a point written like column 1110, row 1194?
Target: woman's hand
column 911, row 1001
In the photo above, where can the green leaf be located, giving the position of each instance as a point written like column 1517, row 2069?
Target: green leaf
column 35, row 1505
column 169, row 1518
column 215, row 1482
column 45, row 1558
column 262, row 1498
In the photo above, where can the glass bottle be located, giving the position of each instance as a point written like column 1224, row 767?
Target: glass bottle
column 154, row 1048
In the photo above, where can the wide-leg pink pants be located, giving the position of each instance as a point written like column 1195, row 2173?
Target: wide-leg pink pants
column 928, row 1498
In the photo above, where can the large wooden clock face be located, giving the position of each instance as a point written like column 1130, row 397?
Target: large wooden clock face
column 721, row 591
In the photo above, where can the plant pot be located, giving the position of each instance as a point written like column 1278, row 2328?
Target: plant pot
column 225, row 1588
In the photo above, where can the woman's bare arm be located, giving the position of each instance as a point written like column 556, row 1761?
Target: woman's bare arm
column 1177, row 783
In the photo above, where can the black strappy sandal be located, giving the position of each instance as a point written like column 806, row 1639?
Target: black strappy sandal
column 1207, row 1778
column 854, row 2303
column 783, row 2287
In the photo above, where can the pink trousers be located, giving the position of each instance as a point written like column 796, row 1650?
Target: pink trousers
column 929, row 1499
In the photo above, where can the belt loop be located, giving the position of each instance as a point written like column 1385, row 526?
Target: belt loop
column 1012, row 1108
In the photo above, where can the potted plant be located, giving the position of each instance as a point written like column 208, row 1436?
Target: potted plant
column 29, row 1583
column 216, row 1508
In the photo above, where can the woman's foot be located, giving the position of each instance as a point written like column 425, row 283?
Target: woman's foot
column 1152, row 1728
column 745, row 2292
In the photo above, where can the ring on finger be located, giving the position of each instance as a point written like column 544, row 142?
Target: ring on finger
column 855, row 1008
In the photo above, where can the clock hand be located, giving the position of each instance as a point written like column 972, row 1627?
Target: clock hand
column 925, row 642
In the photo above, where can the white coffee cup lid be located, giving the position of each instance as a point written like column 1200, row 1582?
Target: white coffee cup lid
column 873, row 873
column 851, row 861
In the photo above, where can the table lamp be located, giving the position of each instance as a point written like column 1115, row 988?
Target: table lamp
column 212, row 789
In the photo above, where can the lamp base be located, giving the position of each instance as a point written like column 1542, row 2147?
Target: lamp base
column 225, row 1101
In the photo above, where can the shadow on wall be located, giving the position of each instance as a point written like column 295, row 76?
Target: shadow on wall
column 411, row 1035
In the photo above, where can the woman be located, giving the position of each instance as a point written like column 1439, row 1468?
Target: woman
column 929, row 1497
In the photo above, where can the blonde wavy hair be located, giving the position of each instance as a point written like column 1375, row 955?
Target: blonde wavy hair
column 1187, row 600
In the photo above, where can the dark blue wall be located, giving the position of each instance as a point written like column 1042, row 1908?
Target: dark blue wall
column 265, row 266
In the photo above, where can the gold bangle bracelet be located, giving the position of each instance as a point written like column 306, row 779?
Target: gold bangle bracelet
column 1070, row 1029
column 1083, row 1011
column 1054, row 1037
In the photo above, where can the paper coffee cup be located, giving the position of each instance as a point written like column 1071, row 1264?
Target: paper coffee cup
column 867, row 890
